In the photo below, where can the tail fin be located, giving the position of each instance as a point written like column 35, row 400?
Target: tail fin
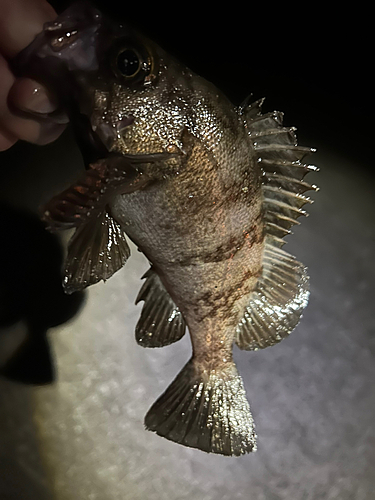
column 205, row 410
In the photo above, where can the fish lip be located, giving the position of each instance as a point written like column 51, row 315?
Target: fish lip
column 77, row 25
column 79, row 16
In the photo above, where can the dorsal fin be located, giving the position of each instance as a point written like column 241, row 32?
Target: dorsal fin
column 161, row 322
column 282, row 291
column 281, row 160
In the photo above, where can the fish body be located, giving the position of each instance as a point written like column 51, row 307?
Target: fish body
column 204, row 189
column 200, row 222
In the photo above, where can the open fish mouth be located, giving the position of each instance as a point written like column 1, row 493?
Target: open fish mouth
column 80, row 19
column 69, row 57
column 70, row 42
column 64, row 58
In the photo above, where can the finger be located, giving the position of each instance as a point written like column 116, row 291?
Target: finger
column 20, row 22
column 10, row 123
column 31, row 96
column 15, row 126
column 6, row 140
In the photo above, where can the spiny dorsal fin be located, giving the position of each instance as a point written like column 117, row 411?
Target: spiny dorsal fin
column 96, row 251
column 277, row 303
column 161, row 322
column 281, row 160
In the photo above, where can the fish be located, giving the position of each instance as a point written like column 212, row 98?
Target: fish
column 205, row 189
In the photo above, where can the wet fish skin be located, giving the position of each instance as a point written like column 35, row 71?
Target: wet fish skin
column 190, row 179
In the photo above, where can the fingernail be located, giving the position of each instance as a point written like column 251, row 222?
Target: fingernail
column 30, row 96
column 39, row 102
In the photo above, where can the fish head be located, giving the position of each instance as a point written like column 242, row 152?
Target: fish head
column 122, row 91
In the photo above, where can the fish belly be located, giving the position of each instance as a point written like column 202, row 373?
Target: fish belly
column 209, row 264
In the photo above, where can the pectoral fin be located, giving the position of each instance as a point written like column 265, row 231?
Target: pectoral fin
column 96, row 251
column 88, row 197
column 98, row 248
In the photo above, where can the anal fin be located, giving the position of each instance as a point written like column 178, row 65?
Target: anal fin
column 161, row 322
column 276, row 305
column 96, row 251
column 207, row 410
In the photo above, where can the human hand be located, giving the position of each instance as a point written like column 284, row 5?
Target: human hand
column 20, row 22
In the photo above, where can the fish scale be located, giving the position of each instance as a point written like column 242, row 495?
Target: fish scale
column 207, row 191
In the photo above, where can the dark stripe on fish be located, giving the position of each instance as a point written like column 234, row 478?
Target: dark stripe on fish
column 225, row 250
column 220, row 302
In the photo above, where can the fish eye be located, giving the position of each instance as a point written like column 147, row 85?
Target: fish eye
column 132, row 62
column 128, row 62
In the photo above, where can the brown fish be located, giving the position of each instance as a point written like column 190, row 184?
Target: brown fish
column 207, row 191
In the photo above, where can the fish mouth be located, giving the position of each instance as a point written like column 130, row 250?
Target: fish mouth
column 72, row 38
column 74, row 22
column 67, row 44
column 66, row 57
